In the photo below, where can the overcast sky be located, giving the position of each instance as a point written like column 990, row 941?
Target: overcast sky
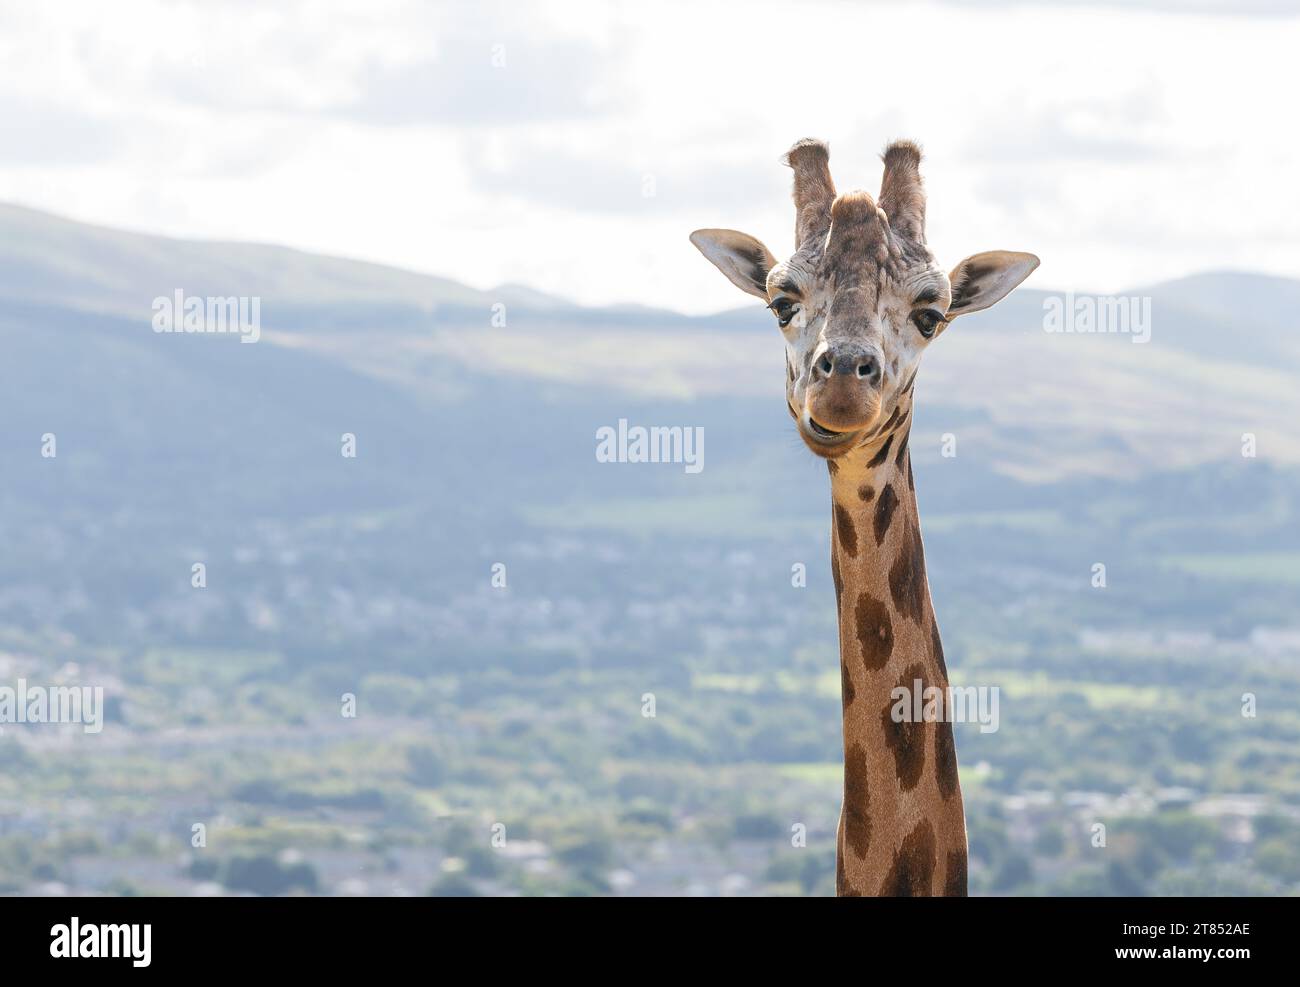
column 573, row 147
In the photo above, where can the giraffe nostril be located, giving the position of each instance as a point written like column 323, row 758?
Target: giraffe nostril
column 869, row 367
column 825, row 365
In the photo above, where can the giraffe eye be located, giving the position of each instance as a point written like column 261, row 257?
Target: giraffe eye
column 927, row 320
column 785, row 311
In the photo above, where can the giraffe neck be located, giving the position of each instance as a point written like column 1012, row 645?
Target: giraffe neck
column 902, row 830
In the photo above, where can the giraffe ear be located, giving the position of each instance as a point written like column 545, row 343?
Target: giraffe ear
column 743, row 259
column 984, row 279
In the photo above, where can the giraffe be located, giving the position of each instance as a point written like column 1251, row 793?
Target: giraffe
column 858, row 303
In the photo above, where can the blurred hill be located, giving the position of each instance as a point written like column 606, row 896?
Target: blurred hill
column 419, row 363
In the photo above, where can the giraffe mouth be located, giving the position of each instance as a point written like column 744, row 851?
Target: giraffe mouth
column 822, row 440
column 824, row 433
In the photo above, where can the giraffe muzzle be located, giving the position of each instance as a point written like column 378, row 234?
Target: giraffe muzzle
column 844, row 393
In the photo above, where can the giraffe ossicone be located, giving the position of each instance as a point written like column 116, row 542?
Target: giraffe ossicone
column 858, row 302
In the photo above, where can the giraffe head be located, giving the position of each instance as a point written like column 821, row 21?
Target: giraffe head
column 861, row 298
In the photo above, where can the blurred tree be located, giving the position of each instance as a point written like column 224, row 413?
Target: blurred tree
column 1014, row 870
column 264, row 874
column 454, row 885
column 425, row 766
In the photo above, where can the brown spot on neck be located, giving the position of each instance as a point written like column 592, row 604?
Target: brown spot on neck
column 912, row 871
column 902, row 448
column 905, row 737
column 881, row 454
column 885, row 508
column 907, row 576
column 889, row 422
column 847, row 534
column 954, row 882
column 875, row 632
column 945, row 760
column 843, row 887
column 936, row 649
column 857, row 801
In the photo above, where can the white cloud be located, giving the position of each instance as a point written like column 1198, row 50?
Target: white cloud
column 1121, row 145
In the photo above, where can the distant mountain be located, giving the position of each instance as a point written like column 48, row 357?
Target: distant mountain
column 1258, row 302
column 418, row 361
column 49, row 259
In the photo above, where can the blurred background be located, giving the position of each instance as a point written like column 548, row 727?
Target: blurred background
column 465, row 226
